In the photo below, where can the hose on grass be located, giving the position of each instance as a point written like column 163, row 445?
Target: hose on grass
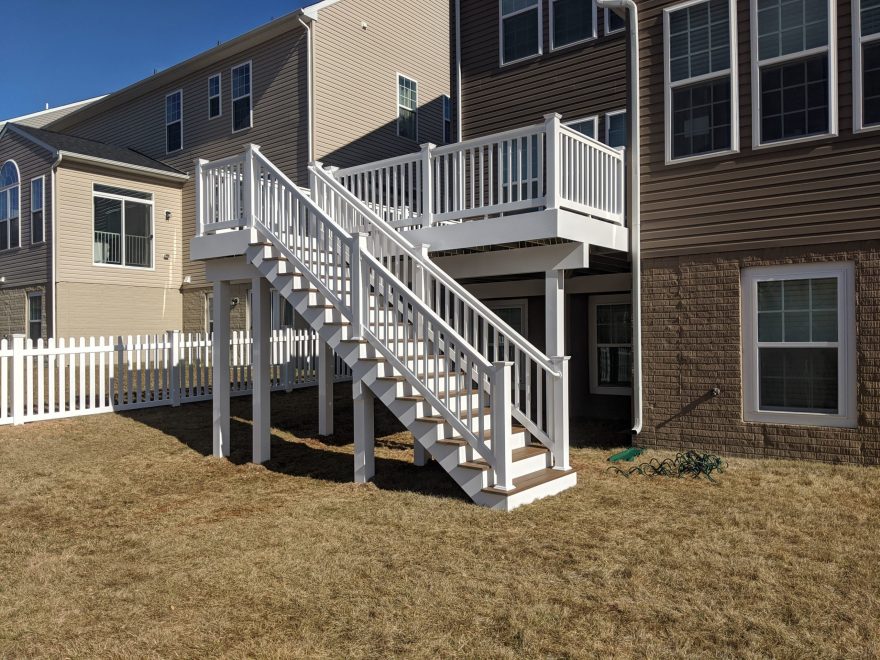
column 689, row 464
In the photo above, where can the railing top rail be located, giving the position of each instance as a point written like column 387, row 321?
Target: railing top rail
column 593, row 142
column 223, row 162
column 379, row 164
column 488, row 139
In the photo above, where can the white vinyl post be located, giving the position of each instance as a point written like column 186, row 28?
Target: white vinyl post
column 200, row 197
column 250, row 190
column 364, row 433
column 220, row 369
column 554, row 312
column 552, row 124
column 502, row 431
column 560, row 414
column 428, row 184
column 262, row 349
column 18, row 393
column 359, row 285
column 173, row 339
column 325, row 388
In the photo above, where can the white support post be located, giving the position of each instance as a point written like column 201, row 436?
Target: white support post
column 560, row 414
column 220, row 369
column 18, row 393
column 420, row 454
column 325, row 388
column 262, row 349
column 554, row 311
column 552, row 179
column 428, row 184
column 174, row 384
column 250, row 190
column 502, row 431
column 200, row 197
column 364, row 433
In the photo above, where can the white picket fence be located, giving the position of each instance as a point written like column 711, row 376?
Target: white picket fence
column 68, row 378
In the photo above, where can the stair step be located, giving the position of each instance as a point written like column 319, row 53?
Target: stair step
column 437, row 419
column 532, row 480
column 418, row 398
column 519, row 454
column 458, row 441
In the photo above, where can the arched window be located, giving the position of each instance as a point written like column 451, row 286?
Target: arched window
column 10, row 194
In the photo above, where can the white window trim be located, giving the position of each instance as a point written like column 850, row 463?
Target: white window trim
column 219, row 95
column 30, row 296
column 123, row 198
column 830, row 49
column 8, row 220
column 669, row 86
column 846, row 362
column 553, row 46
column 607, row 130
column 397, row 78
column 608, row 31
column 250, row 96
column 209, row 299
column 858, row 75
column 42, row 207
column 169, row 123
column 510, row 303
column 540, row 35
column 593, row 118
column 595, row 301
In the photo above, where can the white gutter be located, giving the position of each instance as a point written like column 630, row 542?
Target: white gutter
column 53, row 171
column 634, row 200
column 458, row 102
column 310, row 85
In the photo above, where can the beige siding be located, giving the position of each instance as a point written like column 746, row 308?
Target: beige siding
column 356, row 76
column 112, row 299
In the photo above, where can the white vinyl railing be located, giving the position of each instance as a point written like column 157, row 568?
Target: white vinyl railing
column 58, row 378
column 219, row 195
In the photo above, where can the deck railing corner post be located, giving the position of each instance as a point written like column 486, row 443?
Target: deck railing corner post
column 428, row 183
column 552, row 126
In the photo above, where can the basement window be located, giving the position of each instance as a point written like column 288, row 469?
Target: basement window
column 521, row 30
column 866, row 65
column 35, row 316
column 610, row 335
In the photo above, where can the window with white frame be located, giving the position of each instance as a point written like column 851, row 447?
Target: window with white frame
column 407, row 108
column 215, row 107
column 615, row 129
column 614, row 22
column 242, row 110
column 521, row 29
column 174, row 121
column 585, row 126
column 10, row 194
column 799, row 344
column 123, row 227
column 38, row 201
column 571, row 22
column 447, row 120
column 793, row 69
column 35, row 316
column 866, row 69
column 700, row 66
column 610, row 335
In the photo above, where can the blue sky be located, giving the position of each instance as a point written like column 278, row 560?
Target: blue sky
column 60, row 51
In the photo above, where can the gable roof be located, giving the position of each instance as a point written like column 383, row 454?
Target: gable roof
column 44, row 117
column 76, row 148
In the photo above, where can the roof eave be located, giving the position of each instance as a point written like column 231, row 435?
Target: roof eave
column 119, row 165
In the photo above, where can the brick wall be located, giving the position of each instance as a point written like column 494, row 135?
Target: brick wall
column 14, row 312
column 692, row 327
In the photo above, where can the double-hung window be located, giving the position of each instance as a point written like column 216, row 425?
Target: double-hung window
column 10, row 194
column 799, row 344
column 610, row 334
column 585, row 126
column 572, row 22
column 794, row 66
column 521, row 29
column 242, row 110
column 123, row 227
column 38, row 201
column 615, row 129
column 614, row 22
column 215, row 107
column 866, row 68
column 174, row 121
column 407, row 108
column 700, row 69
column 35, row 316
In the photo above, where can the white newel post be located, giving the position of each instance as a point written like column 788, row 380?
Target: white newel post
column 220, row 369
column 262, row 350
column 359, row 285
column 554, row 312
column 18, row 393
column 427, row 184
column 560, row 414
column 552, row 124
column 200, row 197
column 364, row 433
column 250, row 190
column 325, row 388
column 502, row 432
column 173, row 339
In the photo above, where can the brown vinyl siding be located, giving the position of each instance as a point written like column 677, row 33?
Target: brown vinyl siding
column 579, row 81
column 823, row 191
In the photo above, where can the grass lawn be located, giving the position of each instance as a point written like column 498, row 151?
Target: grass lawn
column 120, row 538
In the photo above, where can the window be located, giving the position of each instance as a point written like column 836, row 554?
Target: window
column 613, row 22
column 866, row 64
column 242, row 112
column 586, row 126
column 10, row 190
column 610, row 332
column 35, row 316
column 514, row 313
column 38, row 200
column 572, row 21
column 123, row 221
column 209, row 313
column 447, row 120
column 407, row 108
column 799, row 344
column 174, row 121
column 700, row 70
column 215, row 108
column 615, row 129
column 521, row 29
column 793, row 70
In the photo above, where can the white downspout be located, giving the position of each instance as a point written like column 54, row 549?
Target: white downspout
column 634, row 199
column 53, row 225
column 310, row 88
column 458, row 102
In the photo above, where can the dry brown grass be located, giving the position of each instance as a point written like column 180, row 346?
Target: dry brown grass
column 120, row 538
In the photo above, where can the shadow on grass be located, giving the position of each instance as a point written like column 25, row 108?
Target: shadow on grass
column 306, row 454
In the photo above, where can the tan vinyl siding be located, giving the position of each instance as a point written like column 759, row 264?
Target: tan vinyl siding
column 356, row 76
column 579, row 81
column 817, row 192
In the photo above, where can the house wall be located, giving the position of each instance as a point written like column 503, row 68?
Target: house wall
column 579, row 81
column 356, row 76
column 112, row 300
